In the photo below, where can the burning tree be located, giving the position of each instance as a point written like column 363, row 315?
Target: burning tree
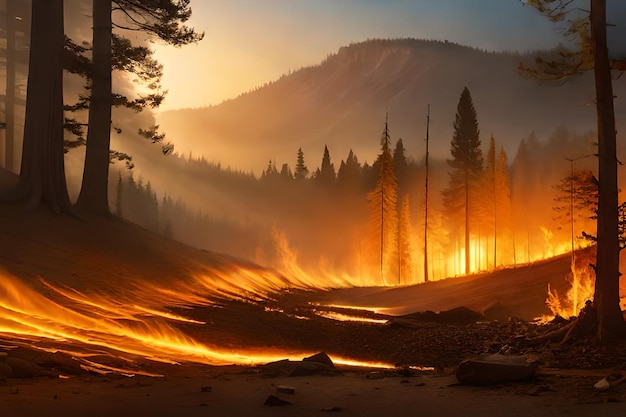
column 466, row 164
column 383, row 205
column 593, row 54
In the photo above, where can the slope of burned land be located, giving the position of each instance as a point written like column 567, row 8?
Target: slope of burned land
column 105, row 255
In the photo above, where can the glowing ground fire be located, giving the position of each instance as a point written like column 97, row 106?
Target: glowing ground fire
column 130, row 322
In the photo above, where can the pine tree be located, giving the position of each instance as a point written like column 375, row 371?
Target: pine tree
column 489, row 208
column 405, row 253
column 349, row 174
column 466, row 164
column 326, row 174
column 285, row 172
column 400, row 163
column 301, row 170
column 593, row 55
column 383, row 206
column 502, row 198
column 163, row 19
column 42, row 173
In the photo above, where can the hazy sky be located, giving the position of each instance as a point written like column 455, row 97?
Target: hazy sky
column 250, row 42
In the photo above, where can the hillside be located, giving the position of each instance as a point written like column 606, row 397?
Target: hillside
column 342, row 103
column 93, row 310
column 108, row 272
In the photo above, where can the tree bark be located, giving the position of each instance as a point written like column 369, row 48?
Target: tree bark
column 10, row 88
column 42, row 174
column 93, row 196
column 606, row 299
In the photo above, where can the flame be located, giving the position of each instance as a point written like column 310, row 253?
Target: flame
column 582, row 281
column 347, row 317
column 130, row 322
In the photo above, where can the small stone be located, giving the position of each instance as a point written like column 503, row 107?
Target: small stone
column 274, row 401
column 602, row 385
column 331, row 410
column 206, row 388
column 15, row 391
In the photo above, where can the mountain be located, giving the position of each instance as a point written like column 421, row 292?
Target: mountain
column 342, row 103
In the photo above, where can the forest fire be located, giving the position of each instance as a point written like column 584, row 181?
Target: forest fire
column 128, row 323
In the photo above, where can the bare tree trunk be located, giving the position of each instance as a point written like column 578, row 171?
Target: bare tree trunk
column 467, row 232
column 93, row 196
column 10, row 88
column 42, row 175
column 606, row 300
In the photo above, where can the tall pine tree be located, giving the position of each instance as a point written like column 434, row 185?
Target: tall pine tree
column 163, row 19
column 466, row 164
column 383, row 207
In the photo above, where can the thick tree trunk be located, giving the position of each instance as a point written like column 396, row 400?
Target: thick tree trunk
column 10, row 88
column 606, row 300
column 93, row 196
column 42, row 175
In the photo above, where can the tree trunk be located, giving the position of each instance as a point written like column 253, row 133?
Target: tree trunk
column 93, row 197
column 467, row 232
column 606, row 299
column 42, row 175
column 10, row 88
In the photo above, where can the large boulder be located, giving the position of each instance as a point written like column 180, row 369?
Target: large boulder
column 495, row 369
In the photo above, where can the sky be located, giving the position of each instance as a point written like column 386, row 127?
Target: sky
column 250, row 42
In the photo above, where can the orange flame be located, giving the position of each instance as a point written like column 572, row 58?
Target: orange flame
column 128, row 322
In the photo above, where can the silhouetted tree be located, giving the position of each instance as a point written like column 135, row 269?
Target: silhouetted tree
column 326, row 174
column 400, row 163
column 161, row 18
column 502, row 198
column 593, row 54
column 349, row 174
column 577, row 192
column 285, row 172
column 383, row 206
column 466, row 164
column 42, row 174
column 405, row 260
column 301, row 170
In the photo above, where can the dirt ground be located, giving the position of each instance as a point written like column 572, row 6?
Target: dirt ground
column 229, row 391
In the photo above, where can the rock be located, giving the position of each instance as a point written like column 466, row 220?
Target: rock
column 22, row 368
column 602, row 385
column 498, row 311
column 495, row 369
column 311, row 368
column 274, row 401
column 322, row 358
column 331, row 409
column 283, row 389
column 460, row 315
column 307, row 367
column 205, row 389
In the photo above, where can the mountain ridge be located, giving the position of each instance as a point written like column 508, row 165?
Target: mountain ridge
column 342, row 103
